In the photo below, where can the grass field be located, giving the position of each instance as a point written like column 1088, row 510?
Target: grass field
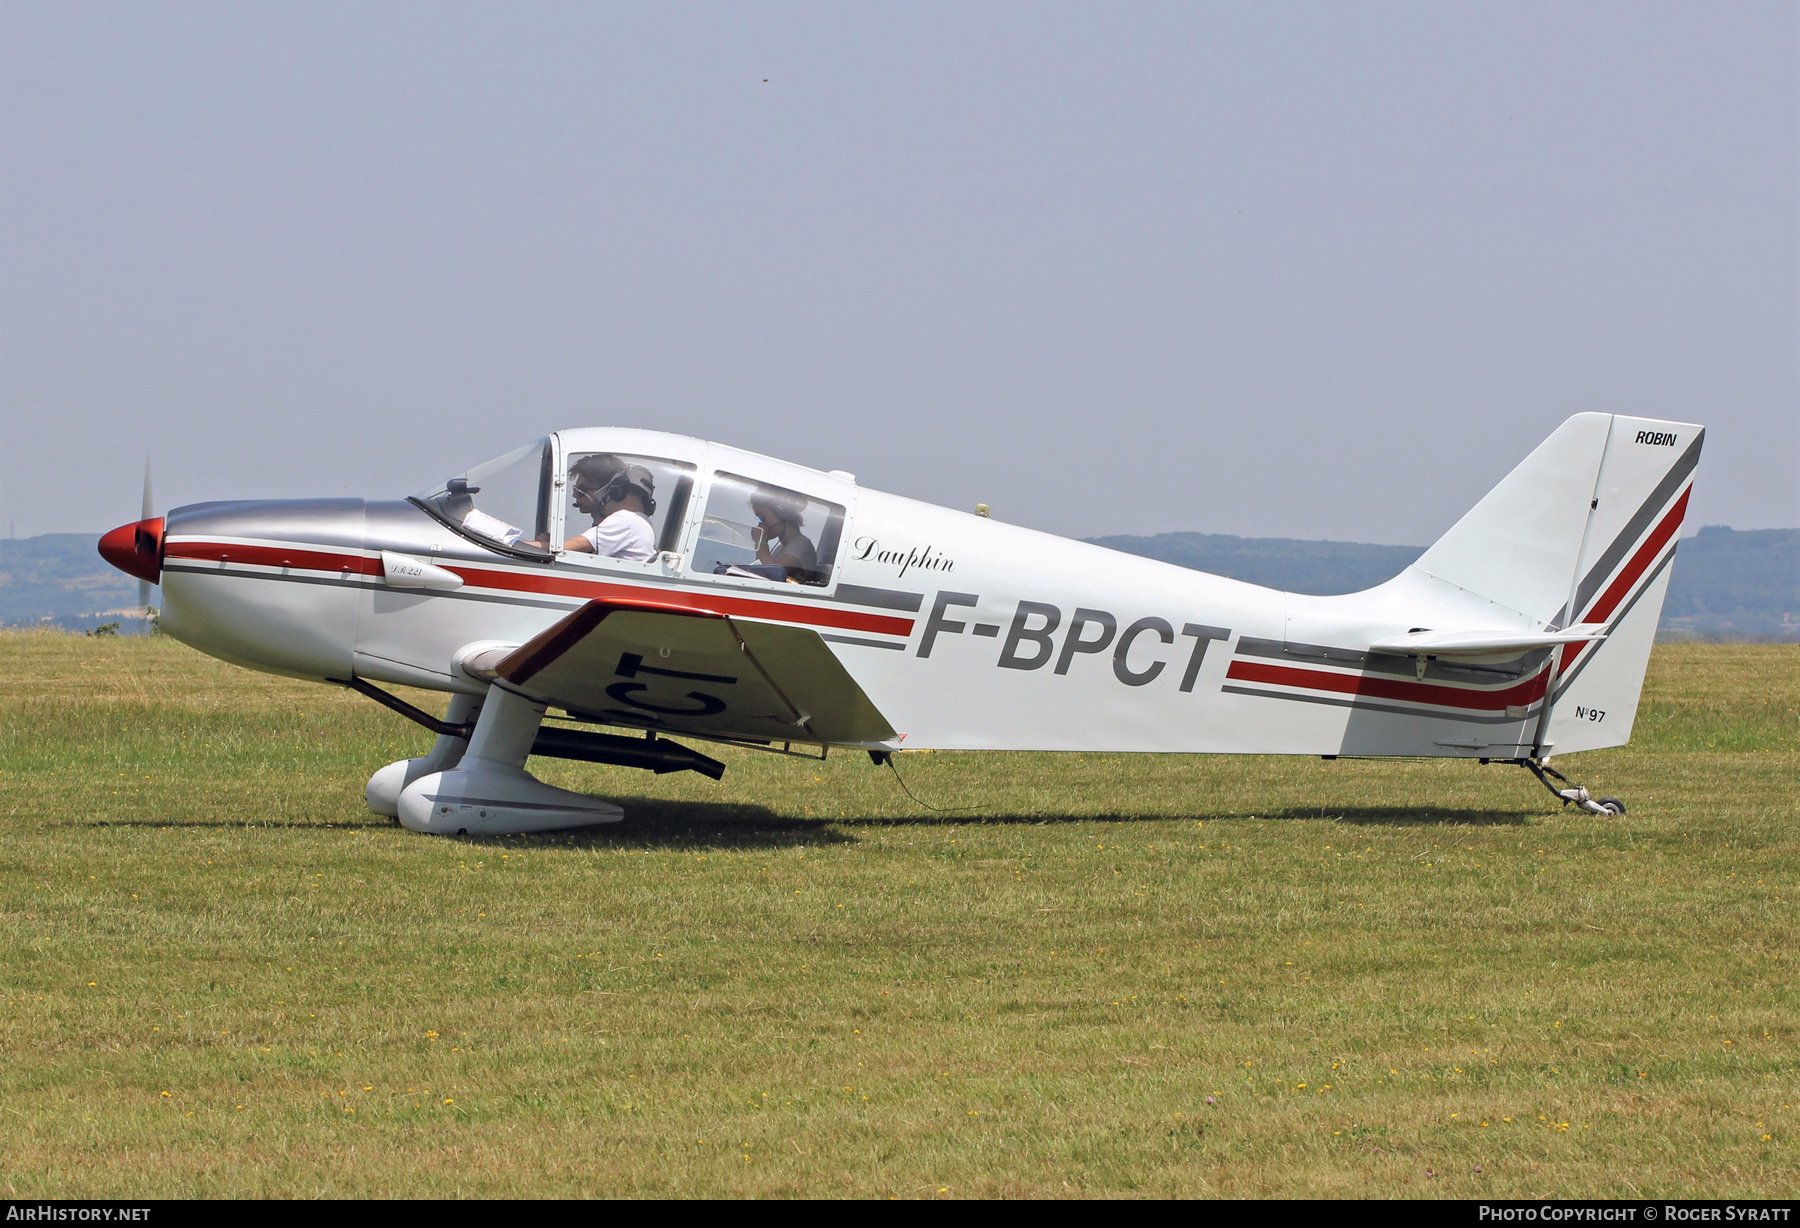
column 1106, row 975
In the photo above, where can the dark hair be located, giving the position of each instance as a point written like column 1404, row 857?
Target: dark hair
column 595, row 471
column 789, row 506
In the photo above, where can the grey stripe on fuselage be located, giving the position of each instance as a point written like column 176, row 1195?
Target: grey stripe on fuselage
column 881, row 598
column 1388, row 663
column 851, row 639
column 1367, row 705
column 238, row 572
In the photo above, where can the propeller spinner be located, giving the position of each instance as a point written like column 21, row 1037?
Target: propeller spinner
column 137, row 549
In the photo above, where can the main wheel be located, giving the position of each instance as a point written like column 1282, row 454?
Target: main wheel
column 1613, row 805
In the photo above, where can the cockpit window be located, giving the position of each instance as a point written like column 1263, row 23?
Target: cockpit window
column 504, row 504
column 758, row 531
column 665, row 506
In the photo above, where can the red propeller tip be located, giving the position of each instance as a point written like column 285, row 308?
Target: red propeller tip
column 136, row 549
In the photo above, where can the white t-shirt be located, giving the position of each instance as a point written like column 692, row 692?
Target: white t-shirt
column 623, row 535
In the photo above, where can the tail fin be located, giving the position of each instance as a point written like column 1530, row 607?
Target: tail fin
column 1582, row 531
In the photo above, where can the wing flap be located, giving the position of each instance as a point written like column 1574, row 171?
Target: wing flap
column 697, row 672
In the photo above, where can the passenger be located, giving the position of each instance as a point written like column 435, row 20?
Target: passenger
column 779, row 542
column 621, row 498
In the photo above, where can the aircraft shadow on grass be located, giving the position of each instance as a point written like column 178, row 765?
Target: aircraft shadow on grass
column 1392, row 816
column 659, row 823
column 1409, row 816
column 650, row 822
column 686, row 824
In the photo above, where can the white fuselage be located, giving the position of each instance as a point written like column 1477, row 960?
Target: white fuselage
column 965, row 632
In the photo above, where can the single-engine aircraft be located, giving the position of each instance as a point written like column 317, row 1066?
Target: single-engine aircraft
column 675, row 588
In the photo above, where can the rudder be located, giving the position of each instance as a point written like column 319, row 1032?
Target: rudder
column 1640, row 501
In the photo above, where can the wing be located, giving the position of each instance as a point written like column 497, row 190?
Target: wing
column 681, row 670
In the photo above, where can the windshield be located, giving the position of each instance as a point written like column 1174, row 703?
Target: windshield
column 504, row 504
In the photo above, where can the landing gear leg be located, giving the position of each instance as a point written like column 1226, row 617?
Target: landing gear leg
column 489, row 792
column 1573, row 793
column 384, row 788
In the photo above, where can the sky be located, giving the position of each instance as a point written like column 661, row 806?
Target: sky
column 1305, row 270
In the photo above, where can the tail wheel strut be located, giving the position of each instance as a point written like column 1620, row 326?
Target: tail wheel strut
column 1573, row 793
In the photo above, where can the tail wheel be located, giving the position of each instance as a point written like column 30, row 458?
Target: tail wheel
column 1613, row 805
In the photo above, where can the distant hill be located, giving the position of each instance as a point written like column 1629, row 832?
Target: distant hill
column 1734, row 585
column 60, row 579
column 1727, row 584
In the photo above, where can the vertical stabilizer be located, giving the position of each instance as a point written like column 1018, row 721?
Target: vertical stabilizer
column 1582, row 533
column 1520, row 545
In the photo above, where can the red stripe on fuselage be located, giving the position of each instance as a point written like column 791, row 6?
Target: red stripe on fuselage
column 272, row 556
column 1377, row 687
column 1524, row 693
column 775, row 611
column 553, row 585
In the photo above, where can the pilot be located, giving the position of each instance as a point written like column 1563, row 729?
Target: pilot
column 779, row 542
column 621, row 499
column 589, row 476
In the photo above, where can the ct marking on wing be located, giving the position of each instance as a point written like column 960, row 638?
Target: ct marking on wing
column 631, row 664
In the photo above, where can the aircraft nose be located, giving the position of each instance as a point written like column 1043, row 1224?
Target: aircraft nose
column 136, row 549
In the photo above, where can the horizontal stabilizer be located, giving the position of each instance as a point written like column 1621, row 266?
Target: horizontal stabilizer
column 1483, row 643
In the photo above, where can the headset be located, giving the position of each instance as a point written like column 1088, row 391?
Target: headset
column 633, row 479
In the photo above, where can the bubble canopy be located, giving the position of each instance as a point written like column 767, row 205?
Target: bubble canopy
column 504, row 504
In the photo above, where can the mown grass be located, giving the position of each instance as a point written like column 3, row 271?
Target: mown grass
column 1101, row 975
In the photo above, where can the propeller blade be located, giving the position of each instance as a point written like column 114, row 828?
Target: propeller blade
column 148, row 510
